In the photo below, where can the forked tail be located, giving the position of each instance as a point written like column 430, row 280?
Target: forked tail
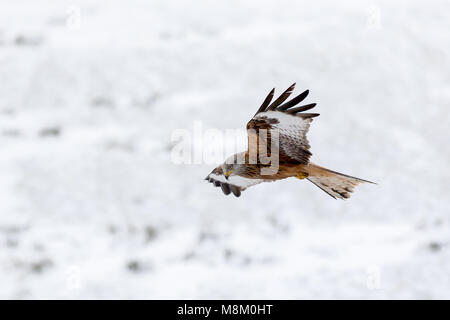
column 336, row 184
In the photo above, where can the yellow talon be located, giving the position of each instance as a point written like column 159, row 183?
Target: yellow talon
column 301, row 175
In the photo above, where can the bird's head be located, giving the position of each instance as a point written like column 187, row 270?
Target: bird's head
column 228, row 169
column 233, row 166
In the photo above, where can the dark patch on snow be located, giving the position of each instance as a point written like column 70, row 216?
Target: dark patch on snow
column 102, row 102
column 435, row 246
column 136, row 266
column 26, row 40
column 50, row 132
column 41, row 265
column 150, row 233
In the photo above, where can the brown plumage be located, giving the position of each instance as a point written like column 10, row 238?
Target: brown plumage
column 290, row 125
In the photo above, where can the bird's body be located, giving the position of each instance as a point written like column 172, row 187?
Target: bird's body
column 278, row 149
column 289, row 168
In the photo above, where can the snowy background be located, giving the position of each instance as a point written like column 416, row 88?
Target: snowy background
column 91, row 205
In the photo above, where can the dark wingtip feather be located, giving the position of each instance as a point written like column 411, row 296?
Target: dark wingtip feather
column 301, row 109
column 225, row 188
column 282, row 98
column 308, row 115
column 287, row 107
column 236, row 191
column 294, row 101
column 266, row 101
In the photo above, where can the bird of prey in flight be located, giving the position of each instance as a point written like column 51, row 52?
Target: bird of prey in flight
column 278, row 131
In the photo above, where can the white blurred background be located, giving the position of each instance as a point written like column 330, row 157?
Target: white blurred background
column 91, row 205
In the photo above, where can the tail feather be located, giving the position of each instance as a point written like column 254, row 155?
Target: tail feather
column 337, row 185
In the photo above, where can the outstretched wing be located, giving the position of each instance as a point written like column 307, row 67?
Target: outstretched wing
column 234, row 184
column 291, row 123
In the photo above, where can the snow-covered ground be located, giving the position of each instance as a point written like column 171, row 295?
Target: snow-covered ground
column 92, row 205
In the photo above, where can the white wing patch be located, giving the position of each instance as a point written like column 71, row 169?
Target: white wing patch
column 242, row 182
column 234, row 184
column 290, row 124
column 292, row 131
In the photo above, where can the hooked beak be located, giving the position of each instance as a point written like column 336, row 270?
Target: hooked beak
column 227, row 174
